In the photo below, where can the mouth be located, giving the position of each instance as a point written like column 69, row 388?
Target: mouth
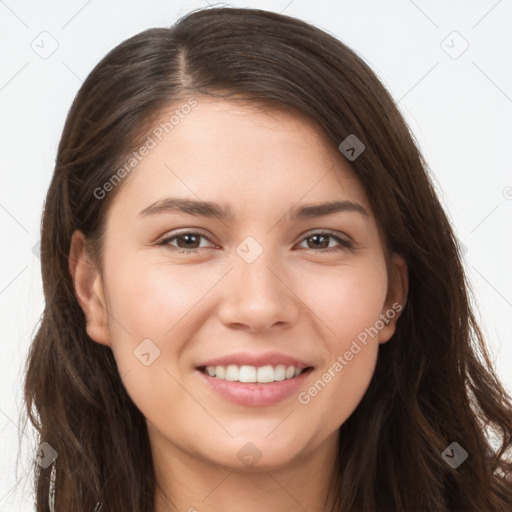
column 254, row 374
column 254, row 386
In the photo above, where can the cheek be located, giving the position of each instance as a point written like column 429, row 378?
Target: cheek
column 152, row 302
column 149, row 306
column 339, row 387
column 347, row 303
column 152, row 298
column 346, row 300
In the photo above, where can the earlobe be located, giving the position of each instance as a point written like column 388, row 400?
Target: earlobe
column 88, row 290
column 396, row 298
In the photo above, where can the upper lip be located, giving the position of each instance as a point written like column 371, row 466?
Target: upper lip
column 248, row 359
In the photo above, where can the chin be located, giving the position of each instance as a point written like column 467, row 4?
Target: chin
column 256, row 453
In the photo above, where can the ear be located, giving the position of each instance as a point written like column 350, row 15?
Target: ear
column 396, row 298
column 88, row 287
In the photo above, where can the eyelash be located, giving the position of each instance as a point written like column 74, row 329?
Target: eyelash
column 344, row 243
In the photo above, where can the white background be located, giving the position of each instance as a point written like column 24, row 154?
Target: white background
column 460, row 110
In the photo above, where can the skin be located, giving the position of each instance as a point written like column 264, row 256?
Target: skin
column 293, row 298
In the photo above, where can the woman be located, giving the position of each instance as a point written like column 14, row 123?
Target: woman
column 253, row 369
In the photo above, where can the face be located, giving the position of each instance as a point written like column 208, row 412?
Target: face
column 249, row 336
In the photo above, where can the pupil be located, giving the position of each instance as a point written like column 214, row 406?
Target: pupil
column 316, row 237
column 188, row 237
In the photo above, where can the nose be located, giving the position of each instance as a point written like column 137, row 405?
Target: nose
column 258, row 295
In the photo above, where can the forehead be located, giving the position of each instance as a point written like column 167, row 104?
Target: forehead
column 243, row 130
column 242, row 154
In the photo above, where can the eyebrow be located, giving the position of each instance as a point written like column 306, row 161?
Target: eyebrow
column 224, row 212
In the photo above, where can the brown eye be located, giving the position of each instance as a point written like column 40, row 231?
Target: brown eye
column 190, row 241
column 320, row 241
column 186, row 241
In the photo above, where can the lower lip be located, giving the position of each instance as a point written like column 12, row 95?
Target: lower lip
column 252, row 394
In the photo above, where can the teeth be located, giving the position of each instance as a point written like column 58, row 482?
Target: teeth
column 280, row 372
column 232, row 372
column 263, row 374
column 247, row 374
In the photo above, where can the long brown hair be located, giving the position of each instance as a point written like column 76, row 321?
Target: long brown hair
column 433, row 384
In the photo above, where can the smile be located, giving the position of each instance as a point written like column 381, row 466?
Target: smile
column 245, row 373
